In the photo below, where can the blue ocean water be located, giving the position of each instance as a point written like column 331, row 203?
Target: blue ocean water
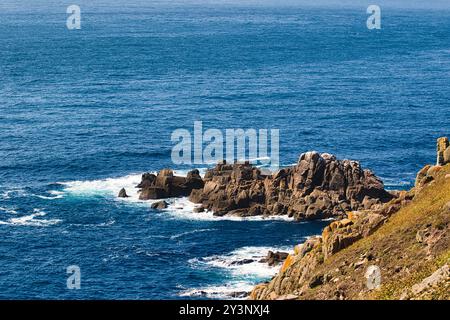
column 84, row 112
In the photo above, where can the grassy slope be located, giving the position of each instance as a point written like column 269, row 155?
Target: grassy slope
column 402, row 259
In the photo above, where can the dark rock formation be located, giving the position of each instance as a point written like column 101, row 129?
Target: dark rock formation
column 123, row 193
column 160, row 205
column 443, row 151
column 167, row 185
column 242, row 262
column 403, row 237
column 319, row 186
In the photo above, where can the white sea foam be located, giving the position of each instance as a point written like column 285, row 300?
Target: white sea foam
column 8, row 210
column 15, row 192
column 104, row 187
column 232, row 290
column 110, row 187
column 243, row 265
column 389, row 182
column 55, row 195
column 33, row 219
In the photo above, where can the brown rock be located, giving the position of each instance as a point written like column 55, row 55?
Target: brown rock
column 123, row 193
column 160, row 205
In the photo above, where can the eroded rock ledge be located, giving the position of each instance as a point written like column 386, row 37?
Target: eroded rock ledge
column 318, row 186
column 408, row 238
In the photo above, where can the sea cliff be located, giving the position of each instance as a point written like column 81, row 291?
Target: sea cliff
column 406, row 239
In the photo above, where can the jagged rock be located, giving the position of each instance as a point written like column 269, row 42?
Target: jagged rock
column 447, row 155
column 241, row 262
column 442, row 152
column 166, row 185
column 321, row 269
column 274, row 258
column 319, row 186
column 147, row 180
column 316, row 281
column 123, row 193
column 160, row 205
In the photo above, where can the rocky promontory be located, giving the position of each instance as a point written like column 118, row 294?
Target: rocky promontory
column 318, row 186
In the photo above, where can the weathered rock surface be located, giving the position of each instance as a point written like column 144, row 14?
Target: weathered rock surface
column 167, row 185
column 319, row 186
column 160, row 205
column 443, row 151
column 123, row 193
column 298, row 272
column 407, row 238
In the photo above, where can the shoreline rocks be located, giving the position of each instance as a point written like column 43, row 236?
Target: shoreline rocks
column 274, row 258
column 166, row 185
column 319, row 186
column 123, row 193
column 407, row 234
column 160, row 205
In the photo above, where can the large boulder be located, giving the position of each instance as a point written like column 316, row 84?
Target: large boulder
column 160, row 205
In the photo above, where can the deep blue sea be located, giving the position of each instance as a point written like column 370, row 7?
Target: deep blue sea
column 84, row 112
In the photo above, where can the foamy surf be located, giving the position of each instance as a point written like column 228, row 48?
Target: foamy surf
column 110, row 187
column 8, row 210
column 33, row 220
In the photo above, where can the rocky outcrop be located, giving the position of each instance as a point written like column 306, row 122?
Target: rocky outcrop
column 166, row 185
column 160, row 205
column 298, row 273
column 439, row 278
column 319, row 186
column 427, row 174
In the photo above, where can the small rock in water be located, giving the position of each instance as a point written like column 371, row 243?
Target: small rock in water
column 274, row 258
column 160, row 205
column 123, row 193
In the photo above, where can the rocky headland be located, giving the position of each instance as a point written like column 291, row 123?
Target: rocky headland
column 405, row 234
